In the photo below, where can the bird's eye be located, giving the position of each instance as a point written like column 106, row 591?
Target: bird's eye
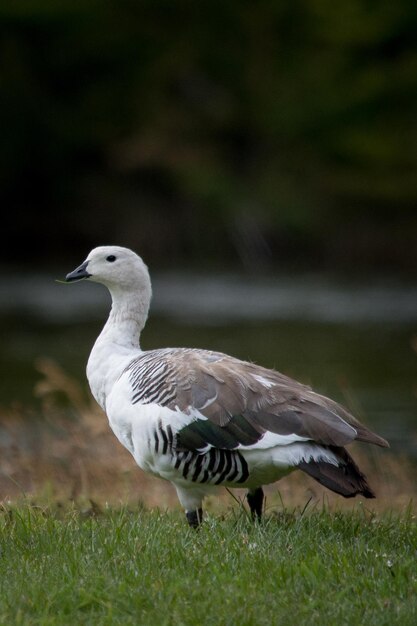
column 111, row 258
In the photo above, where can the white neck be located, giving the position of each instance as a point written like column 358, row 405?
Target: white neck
column 118, row 342
column 127, row 318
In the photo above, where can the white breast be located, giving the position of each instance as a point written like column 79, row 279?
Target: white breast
column 135, row 426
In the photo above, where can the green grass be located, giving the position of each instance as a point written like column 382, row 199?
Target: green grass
column 146, row 567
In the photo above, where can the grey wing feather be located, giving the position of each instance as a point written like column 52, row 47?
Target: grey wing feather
column 245, row 401
column 241, row 401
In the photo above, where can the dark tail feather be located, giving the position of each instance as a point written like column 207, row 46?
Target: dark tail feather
column 345, row 478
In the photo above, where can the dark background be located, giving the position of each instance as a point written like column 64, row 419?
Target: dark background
column 212, row 134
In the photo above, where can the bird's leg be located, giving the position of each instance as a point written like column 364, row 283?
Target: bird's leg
column 194, row 518
column 255, row 498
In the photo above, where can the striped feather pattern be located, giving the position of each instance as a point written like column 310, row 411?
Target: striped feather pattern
column 216, row 467
column 152, row 379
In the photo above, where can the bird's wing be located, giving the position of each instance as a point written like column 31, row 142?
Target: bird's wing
column 235, row 403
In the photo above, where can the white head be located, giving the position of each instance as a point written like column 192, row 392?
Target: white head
column 121, row 270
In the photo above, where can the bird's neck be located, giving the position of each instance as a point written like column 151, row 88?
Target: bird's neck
column 126, row 321
column 117, row 344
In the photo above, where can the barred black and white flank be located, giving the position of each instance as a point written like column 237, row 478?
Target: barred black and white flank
column 203, row 419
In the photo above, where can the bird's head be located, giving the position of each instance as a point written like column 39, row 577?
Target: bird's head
column 118, row 268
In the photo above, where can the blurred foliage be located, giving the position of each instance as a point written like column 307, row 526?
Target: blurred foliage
column 197, row 130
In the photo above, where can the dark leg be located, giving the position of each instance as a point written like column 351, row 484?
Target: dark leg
column 194, row 518
column 255, row 499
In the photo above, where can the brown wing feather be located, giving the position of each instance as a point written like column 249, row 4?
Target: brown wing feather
column 222, row 387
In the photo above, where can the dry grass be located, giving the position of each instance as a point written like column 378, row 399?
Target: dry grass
column 70, row 453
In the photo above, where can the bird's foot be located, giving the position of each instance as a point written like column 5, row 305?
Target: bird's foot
column 194, row 518
column 255, row 500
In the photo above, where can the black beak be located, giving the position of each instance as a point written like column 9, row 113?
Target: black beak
column 78, row 274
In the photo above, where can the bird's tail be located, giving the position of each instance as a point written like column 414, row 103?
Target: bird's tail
column 345, row 478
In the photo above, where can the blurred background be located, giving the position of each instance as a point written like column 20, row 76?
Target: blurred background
column 261, row 157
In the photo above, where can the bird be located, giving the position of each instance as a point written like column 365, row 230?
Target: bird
column 202, row 419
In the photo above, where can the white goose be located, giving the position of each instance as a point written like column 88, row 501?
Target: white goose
column 204, row 419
